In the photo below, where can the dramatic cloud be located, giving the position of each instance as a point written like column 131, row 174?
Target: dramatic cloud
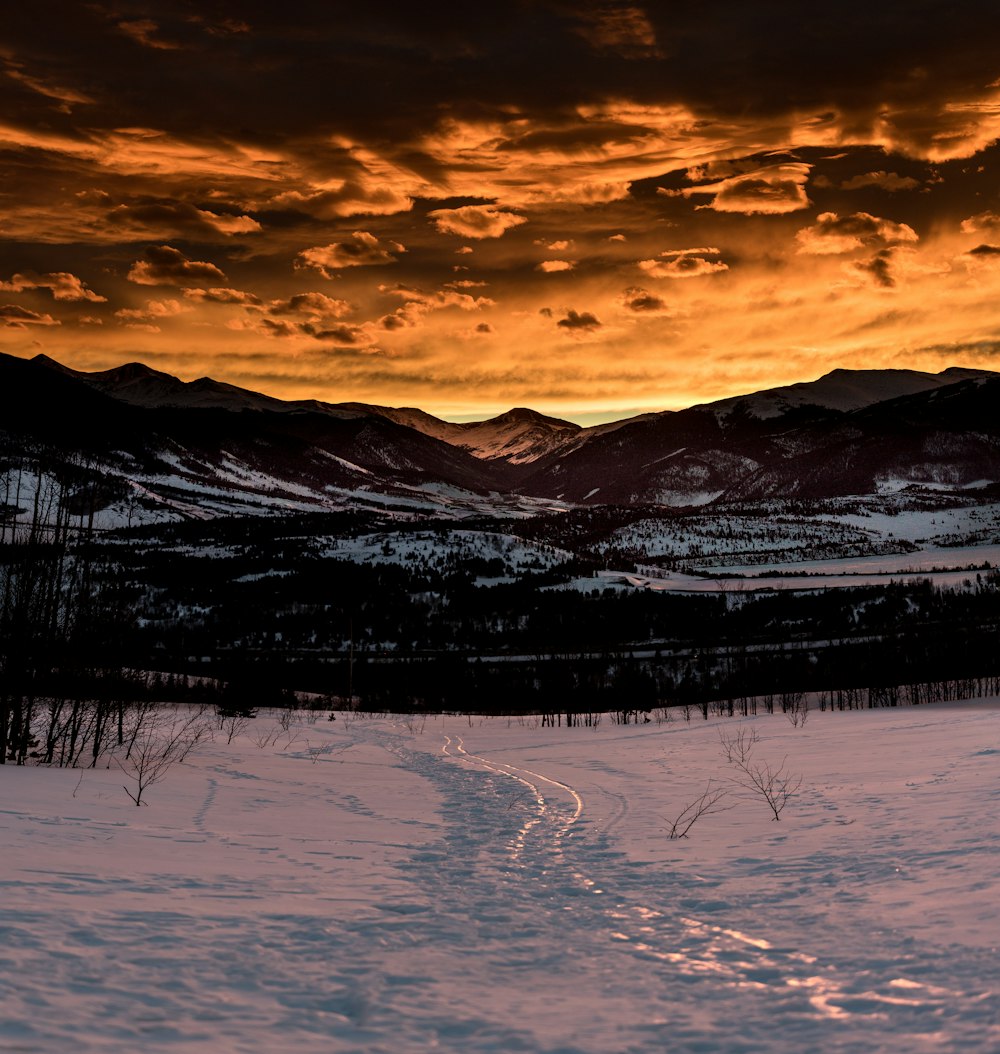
column 262, row 151
column 579, row 321
column 883, row 180
column 62, row 285
column 475, row 221
column 833, row 234
column 363, row 250
column 164, row 265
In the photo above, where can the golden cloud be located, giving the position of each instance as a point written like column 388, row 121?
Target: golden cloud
column 15, row 317
column 476, row 221
column 833, row 234
column 363, row 250
column 165, row 265
column 682, row 267
column 771, row 190
column 61, row 284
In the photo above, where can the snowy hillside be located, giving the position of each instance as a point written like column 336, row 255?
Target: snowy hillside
column 470, row 885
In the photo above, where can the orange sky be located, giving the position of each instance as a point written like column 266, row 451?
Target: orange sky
column 592, row 209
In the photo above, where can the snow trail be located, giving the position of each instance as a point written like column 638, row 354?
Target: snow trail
column 382, row 891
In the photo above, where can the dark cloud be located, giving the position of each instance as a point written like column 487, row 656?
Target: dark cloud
column 314, row 305
column 579, row 320
column 168, row 218
column 890, row 181
column 16, row 317
column 642, row 301
column 985, row 250
column 165, row 265
column 877, row 268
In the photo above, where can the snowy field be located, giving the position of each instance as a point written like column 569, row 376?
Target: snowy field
column 397, row 885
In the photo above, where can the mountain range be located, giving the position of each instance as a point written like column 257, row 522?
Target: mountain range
column 205, row 447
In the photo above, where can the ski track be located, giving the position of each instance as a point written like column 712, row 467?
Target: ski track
column 517, row 928
column 686, row 962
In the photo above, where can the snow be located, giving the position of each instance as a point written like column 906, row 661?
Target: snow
column 485, row 885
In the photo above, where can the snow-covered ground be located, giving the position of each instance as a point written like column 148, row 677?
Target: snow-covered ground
column 466, row 885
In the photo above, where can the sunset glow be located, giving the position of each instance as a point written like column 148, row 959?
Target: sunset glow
column 595, row 209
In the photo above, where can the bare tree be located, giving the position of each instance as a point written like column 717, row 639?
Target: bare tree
column 798, row 711
column 737, row 745
column 712, row 800
column 774, row 784
column 161, row 742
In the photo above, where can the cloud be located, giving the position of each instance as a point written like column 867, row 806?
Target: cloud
column 165, row 265
column 485, row 327
column 889, row 181
column 642, row 301
column 833, row 234
column 312, row 305
column 982, row 221
column 620, row 28
column 141, row 30
column 171, row 218
column 985, row 250
column 772, row 190
column 61, row 284
column 682, row 267
column 154, row 310
column 577, row 321
column 877, row 268
column 556, row 247
column 475, row 221
column 363, row 250
column 351, row 198
column 343, row 336
column 418, row 303
column 224, row 296
column 17, row 317
column 551, row 266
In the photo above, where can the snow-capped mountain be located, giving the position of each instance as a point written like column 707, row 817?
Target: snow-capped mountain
column 207, row 448
column 844, row 390
column 517, row 437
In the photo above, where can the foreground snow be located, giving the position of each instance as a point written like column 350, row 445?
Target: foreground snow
column 400, row 885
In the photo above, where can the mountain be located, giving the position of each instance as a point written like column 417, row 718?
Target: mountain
column 844, row 390
column 222, row 450
column 208, row 448
column 850, row 432
column 517, row 437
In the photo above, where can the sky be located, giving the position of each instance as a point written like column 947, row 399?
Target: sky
column 591, row 208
